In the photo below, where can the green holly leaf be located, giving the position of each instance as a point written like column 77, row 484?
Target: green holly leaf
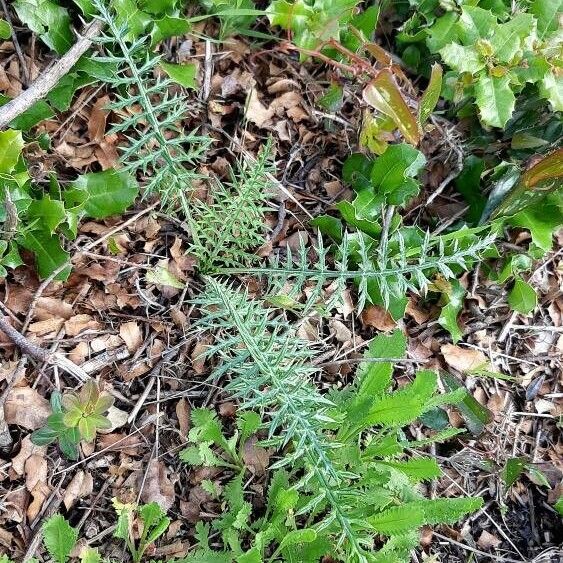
column 522, row 297
column 48, row 212
column 48, row 252
column 443, row 32
column 495, row 100
column 11, row 146
column 183, row 74
column 289, row 15
column 461, row 58
column 168, row 26
column 59, row 538
column 551, row 87
column 103, row 193
column 476, row 23
column 49, row 20
column 508, row 39
column 547, row 14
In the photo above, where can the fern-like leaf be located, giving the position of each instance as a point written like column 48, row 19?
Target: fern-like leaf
column 393, row 274
column 227, row 230
column 158, row 149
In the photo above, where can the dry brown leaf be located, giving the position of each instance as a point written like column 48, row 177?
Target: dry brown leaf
column 35, row 471
column 488, row 541
column 183, row 413
column 120, row 442
column 197, row 356
column 39, row 494
column 463, row 359
column 132, row 336
column 256, row 458
column 378, row 318
column 341, row 332
column 27, row 408
column 98, row 118
column 79, row 353
column 48, row 307
column 257, row 112
column 158, row 487
column 79, row 323
column 27, row 449
column 41, row 328
column 80, row 486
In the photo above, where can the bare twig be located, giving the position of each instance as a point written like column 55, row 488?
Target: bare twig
column 45, row 83
column 16, row 43
column 40, row 354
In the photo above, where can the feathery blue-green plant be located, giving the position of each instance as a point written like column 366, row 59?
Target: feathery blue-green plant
column 158, row 148
column 346, row 446
column 226, row 230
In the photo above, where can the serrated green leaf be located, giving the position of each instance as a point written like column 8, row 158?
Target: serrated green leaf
column 522, row 297
column 294, row 15
column 418, row 469
column 443, row 32
column 552, row 88
column 462, row 58
column 547, row 14
column 59, row 538
column 495, row 100
column 453, row 297
column 394, row 171
column 447, row 510
column 124, row 519
column 508, row 38
column 397, row 520
column 559, row 505
column 49, row 212
column 476, row 23
column 305, row 535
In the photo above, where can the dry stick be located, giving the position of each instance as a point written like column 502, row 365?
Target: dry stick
column 478, row 551
column 41, row 354
column 16, row 43
column 47, row 81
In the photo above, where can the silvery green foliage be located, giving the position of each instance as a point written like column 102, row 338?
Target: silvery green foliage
column 227, row 229
column 389, row 270
column 157, row 147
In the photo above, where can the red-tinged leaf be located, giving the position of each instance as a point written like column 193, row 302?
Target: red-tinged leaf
column 384, row 95
column 542, row 178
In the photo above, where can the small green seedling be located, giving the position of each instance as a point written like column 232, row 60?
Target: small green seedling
column 75, row 417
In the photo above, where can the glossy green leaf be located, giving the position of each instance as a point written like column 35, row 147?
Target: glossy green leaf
column 11, row 146
column 394, row 171
column 328, row 225
column 305, row 535
column 476, row 416
column 547, row 14
column 183, row 74
column 49, row 212
column 552, row 89
column 476, row 23
column 49, row 20
column 431, row 95
column 559, row 505
column 48, row 252
column 383, row 94
column 5, row 29
column 443, row 32
column 513, row 469
column 103, row 193
column 508, row 38
column 495, row 100
column 462, row 58
column 168, row 26
column 333, row 98
column 522, row 297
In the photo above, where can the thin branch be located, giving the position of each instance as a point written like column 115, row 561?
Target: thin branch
column 46, row 82
column 16, row 43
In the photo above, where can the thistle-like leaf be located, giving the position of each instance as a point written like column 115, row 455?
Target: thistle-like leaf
column 158, row 149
